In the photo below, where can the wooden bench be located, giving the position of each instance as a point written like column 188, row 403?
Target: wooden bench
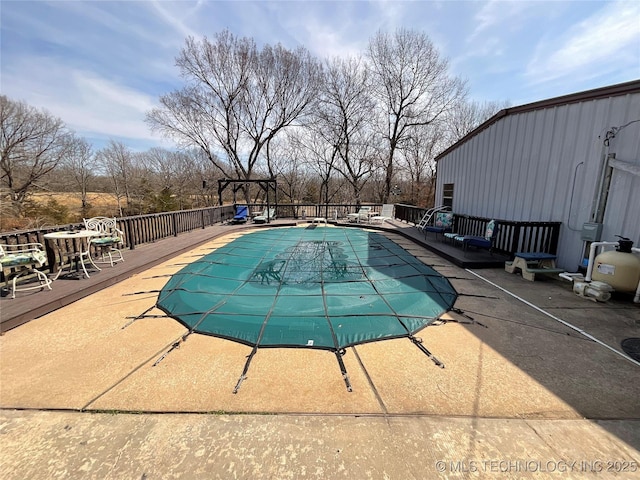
column 533, row 263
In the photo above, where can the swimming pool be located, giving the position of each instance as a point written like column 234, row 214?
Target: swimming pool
column 315, row 287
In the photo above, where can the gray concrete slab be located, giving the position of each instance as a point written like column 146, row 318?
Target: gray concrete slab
column 45, row 445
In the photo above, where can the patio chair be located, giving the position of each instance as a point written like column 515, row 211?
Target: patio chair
column 267, row 215
column 107, row 239
column 385, row 214
column 20, row 260
column 485, row 241
column 362, row 214
column 242, row 212
column 442, row 224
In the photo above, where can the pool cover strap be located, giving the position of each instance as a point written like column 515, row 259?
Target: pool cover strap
column 418, row 343
column 339, row 354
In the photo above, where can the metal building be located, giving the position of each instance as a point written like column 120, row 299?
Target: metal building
column 573, row 159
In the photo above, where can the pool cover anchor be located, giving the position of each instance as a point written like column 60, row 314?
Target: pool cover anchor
column 339, row 354
column 418, row 343
column 462, row 313
column 141, row 316
column 133, row 319
column 175, row 345
column 245, row 370
column 240, row 380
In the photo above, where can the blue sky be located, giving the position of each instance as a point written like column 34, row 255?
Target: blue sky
column 100, row 66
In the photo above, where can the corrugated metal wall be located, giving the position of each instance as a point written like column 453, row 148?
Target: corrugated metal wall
column 543, row 165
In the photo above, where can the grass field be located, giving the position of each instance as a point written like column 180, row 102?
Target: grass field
column 74, row 203
column 56, row 208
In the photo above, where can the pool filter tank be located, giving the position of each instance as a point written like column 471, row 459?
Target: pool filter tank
column 620, row 268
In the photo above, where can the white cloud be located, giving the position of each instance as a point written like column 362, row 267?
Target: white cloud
column 325, row 29
column 608, row 39
column 89, row 104
column 324, row 41
column 175, row 17
column 496, row 28
column 498, row 15
column 100, row 66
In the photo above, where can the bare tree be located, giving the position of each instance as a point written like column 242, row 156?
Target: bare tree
column 80, row 165
column 237, row 98
column 467, row 115
column 32, row 144
column 321, row 158
column 169, row 181
column 175, row 178
column 418, row 160
column 358, row 163
column 287, row 164
column 343, row 121
column 117, row 161
column 413, row 87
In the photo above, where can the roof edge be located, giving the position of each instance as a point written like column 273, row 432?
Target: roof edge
column 596, row 93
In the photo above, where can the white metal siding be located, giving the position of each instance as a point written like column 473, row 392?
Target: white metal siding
column 543, row 165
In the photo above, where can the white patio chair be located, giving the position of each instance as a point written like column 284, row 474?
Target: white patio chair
column 362, row 214
column 267, row 215
column 385, row 214
column 107, row 239
column 20, row 260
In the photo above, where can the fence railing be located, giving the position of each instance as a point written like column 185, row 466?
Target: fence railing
column 310, row 210
column 141, row 229
column 137, row 229
column 513, row 236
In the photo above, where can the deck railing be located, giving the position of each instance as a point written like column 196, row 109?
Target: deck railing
column 331, row 211
column 513, row 236
column 141, row 229
column 137, row 229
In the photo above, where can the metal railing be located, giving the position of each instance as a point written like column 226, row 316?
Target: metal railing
column 513, row 236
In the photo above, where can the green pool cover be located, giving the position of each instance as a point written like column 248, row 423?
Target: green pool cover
column 326, row 288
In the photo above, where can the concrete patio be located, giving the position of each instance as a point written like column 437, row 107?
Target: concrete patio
column 81, row 399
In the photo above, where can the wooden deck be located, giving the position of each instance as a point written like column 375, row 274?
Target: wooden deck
column 471, row 258
column 30, row 305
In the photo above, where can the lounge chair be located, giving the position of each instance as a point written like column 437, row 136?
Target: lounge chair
column 485, row 241
column 266, row 216
column 18, row 260
column 442, row 224
column 242, row 212
column 362, row 214
column 107, row 239
column 385, row 214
